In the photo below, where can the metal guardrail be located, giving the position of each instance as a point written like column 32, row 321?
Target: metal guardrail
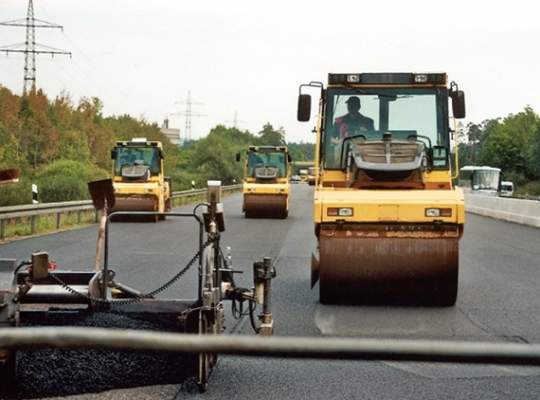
column 281, row 346
column 33, row 211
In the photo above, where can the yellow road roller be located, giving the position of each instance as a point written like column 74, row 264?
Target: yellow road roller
column 388, row 218
column 138, row 177
column 266, row 182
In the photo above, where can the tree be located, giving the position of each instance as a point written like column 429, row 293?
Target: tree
column 271, row 137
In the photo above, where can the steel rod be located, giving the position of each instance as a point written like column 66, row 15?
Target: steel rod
column 283, row 347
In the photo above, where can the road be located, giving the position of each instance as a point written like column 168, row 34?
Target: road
column 498, row 301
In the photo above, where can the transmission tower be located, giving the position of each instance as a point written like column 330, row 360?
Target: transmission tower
column 236, row 121
column 188, row 113
column 30, row 48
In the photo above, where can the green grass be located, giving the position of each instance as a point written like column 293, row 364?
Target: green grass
column 47, row 223
column 529, row 189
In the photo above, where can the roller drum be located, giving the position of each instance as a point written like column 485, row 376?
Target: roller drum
column 265, row 206
column 406, row 270
column 135, row 203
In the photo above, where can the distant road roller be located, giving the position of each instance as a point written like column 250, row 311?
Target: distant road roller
column 387, row 217
column 138, row 176
column 266, row 182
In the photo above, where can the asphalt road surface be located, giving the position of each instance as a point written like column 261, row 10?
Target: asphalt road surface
column 498, row 301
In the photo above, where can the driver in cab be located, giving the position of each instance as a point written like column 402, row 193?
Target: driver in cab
column 351, row 123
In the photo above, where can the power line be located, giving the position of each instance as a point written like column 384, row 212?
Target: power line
column 188, row 113
column 30, row 48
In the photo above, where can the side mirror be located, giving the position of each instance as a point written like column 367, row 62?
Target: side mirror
column 458, row 103
column 161, row 154
column 114, row 153
column 289, row 158
column 304, row 107
column 237, row 157
column 439, row 157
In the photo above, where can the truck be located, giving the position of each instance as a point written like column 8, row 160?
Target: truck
column 387, row 216
column 266, row 184
column 138, row 177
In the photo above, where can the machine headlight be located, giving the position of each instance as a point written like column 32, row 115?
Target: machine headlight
column 438, row 212
column 341, row 212
column 420, row 78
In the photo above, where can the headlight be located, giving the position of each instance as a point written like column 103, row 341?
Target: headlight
column 438, row 212
column 341, row 212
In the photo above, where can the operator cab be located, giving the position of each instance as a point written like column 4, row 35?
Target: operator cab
column 267, row 163
column 137, row 159
column 385, row 125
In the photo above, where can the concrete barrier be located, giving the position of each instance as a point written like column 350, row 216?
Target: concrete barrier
column 525, row 212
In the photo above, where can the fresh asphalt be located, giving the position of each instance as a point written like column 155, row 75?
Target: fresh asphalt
column 498, row 302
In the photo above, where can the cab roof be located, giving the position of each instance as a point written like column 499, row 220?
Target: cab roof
column 388, row 79
column 267, row 148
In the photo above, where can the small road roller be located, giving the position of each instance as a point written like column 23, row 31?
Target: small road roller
column 139, row 180
column 388, row 218
column 266, row 182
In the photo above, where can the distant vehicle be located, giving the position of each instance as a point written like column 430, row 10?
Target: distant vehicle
column 296, row 179
column 507, row 189
column 266, row 187
column 311, row 176
column 480, row 179
column 139, row 181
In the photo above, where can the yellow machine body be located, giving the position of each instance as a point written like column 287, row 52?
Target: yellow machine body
column 385, row 236
column 144, row 187
column 266, row 187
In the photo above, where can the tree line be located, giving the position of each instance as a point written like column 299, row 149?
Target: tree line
column 60, row 145
column 511, row 143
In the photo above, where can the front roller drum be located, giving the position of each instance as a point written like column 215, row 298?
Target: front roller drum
column 265, row 206
column 401, row 271
column 135, row 203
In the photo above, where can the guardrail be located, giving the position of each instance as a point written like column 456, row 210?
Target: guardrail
column 520, row 211
column 33, row 211
column 277, row 346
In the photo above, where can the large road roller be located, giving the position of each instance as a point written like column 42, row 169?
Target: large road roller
column 138, row 176
column 388, row 218
column 266, row 182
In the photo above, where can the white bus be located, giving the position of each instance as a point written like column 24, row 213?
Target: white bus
column 484, row 180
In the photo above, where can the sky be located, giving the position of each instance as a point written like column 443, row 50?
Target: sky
column 246, row 56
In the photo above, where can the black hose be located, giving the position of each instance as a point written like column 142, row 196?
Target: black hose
column 252, row 307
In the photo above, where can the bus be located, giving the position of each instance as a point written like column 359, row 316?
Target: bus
column 480, row 179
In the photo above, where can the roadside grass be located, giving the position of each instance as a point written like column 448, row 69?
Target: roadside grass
column 47, row 223
column 529, row 189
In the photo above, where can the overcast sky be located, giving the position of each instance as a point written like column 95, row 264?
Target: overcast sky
column 140, row 57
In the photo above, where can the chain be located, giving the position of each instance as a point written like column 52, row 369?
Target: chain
column 151, row 294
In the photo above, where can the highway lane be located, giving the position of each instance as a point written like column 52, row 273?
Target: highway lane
column 498, row 301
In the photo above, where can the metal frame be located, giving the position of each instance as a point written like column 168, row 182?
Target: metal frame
column 193, row 214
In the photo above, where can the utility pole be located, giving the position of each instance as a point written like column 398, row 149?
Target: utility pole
column 30, row 48
column 188, row 113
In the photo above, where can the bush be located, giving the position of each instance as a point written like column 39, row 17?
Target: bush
column 13, row 194
column 517, row 178
column 67, row 180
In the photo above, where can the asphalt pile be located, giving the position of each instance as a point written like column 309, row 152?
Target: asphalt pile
column 58, row 372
